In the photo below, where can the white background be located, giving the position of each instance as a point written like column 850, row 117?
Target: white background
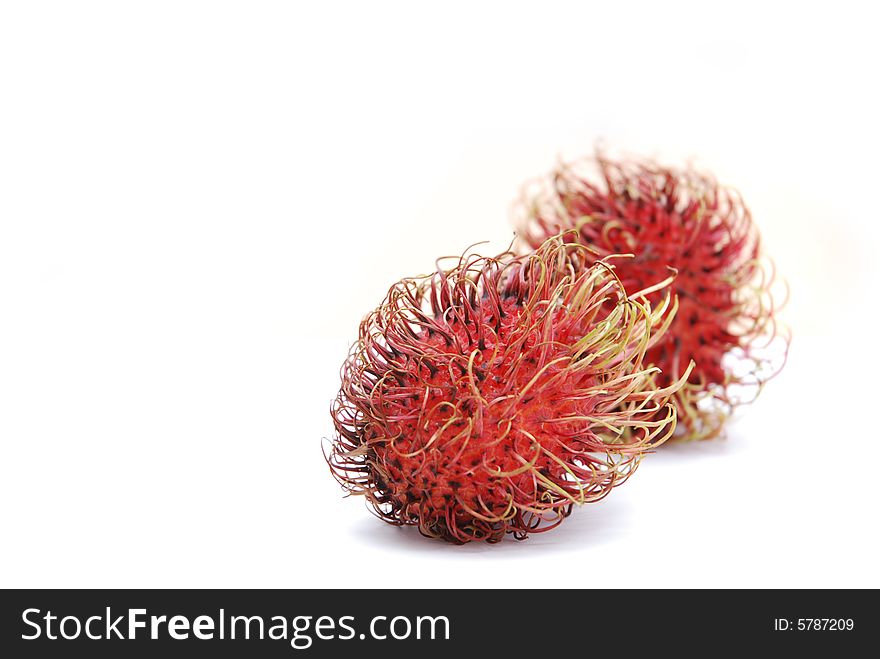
column 199, row 201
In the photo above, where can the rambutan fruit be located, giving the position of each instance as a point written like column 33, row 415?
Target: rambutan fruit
column 491, row 396
column 683, row 220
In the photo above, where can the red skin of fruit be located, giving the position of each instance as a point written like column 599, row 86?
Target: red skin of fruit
column 468, row 473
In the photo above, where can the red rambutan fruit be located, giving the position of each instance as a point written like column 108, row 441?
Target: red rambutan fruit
column 683, row 220
column 490, row 397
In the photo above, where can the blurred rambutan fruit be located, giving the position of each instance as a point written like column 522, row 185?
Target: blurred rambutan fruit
column 684, row 220
column 491, row 396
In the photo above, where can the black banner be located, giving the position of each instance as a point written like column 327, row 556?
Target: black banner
column 429, row 623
